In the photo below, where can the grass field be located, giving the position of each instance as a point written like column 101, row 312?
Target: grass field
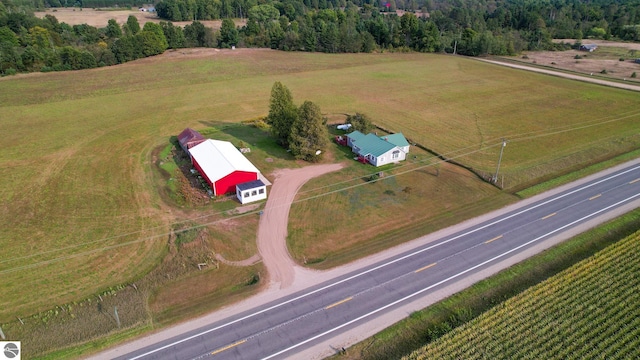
column 588, row 311
column 82, row 210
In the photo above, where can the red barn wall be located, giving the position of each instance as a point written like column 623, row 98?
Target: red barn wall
column 206, row 178
column 228, row 183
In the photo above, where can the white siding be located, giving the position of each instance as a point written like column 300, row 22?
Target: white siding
column 251, row 195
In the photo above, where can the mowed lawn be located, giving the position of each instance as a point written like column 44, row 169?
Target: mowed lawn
column 80, row 209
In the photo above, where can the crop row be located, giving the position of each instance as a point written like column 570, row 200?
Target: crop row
column 587, row 311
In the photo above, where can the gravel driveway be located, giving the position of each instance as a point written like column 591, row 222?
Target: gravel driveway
column 272, row 230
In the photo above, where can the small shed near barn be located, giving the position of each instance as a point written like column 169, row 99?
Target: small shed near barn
column 189, row 138
column 251, row 191
column 222, row 166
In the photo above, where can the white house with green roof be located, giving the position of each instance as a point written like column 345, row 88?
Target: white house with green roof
column 379, row 150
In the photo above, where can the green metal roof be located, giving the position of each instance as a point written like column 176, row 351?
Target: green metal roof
column 355, row 135
column 371, row 144
column 396, row 139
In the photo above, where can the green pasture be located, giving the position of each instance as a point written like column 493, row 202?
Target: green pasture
column 82, row 210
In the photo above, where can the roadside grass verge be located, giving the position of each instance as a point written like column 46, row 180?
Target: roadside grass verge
column 425, row 326
column 575, row 175
column 188, row 283
column 204, row 291
column 353, row 212
column 92, row 346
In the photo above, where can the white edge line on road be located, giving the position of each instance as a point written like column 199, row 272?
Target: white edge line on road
column 379, row 266
column 449, row 278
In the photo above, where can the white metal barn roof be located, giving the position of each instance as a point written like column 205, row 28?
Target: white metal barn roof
column 220, row 158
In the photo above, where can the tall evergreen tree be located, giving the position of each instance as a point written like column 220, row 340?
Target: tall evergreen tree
column 132, row 27
column 228, row 34
column 309, row 136
column 282, row 113
column 113, row 29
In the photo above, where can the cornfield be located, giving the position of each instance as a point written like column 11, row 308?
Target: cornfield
column 589, row 311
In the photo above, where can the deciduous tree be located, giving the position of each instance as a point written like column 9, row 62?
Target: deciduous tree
column 309, row 135
column 360, row 122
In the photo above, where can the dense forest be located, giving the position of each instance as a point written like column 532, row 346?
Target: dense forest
column 466, row 27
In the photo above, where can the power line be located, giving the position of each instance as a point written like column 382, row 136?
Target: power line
column 449, row 156
column 89, row 252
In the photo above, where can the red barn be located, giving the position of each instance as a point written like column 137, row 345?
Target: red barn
column 222, row 166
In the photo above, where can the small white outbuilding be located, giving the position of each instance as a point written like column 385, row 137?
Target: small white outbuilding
column 251, row 191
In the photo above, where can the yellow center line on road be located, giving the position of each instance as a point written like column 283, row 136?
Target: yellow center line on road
column 595, row 197
column 548, row 216
column 634, row 181
column 494, row 239
column 338, row 303
column 425, row 268
column 229, row 347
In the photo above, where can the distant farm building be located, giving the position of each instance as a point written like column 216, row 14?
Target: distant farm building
column 588, row 47
column 222, row 166
column 376, row 150
column 251, row 191
column 189, row 138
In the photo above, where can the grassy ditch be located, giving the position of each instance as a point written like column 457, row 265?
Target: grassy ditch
column 429, row 324
column 362, row 212
column 578, row 174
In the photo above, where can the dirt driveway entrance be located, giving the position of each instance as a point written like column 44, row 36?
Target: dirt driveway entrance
column 272, row 230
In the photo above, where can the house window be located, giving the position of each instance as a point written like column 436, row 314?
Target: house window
column 261, row 191
column 254, row 193
column 246, row 194
column 395, row 154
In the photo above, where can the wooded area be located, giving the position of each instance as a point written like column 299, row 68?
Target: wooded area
column 466, row 27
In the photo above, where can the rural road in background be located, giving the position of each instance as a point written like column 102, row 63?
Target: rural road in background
column 585, row 78
column 355, row 301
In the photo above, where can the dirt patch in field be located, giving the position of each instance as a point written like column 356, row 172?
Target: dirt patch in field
column 626, row 45
column 100, row 18
column 604, row 61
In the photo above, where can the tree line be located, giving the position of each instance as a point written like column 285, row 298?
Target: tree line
column 466, row 27
column 469, row 27
column 28, row 43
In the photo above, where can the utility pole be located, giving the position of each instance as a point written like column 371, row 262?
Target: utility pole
column 495, row 177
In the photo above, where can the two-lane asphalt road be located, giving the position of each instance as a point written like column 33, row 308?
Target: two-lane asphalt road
column 288, row 327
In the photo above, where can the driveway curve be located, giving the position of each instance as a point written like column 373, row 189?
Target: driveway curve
column 272, row 229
